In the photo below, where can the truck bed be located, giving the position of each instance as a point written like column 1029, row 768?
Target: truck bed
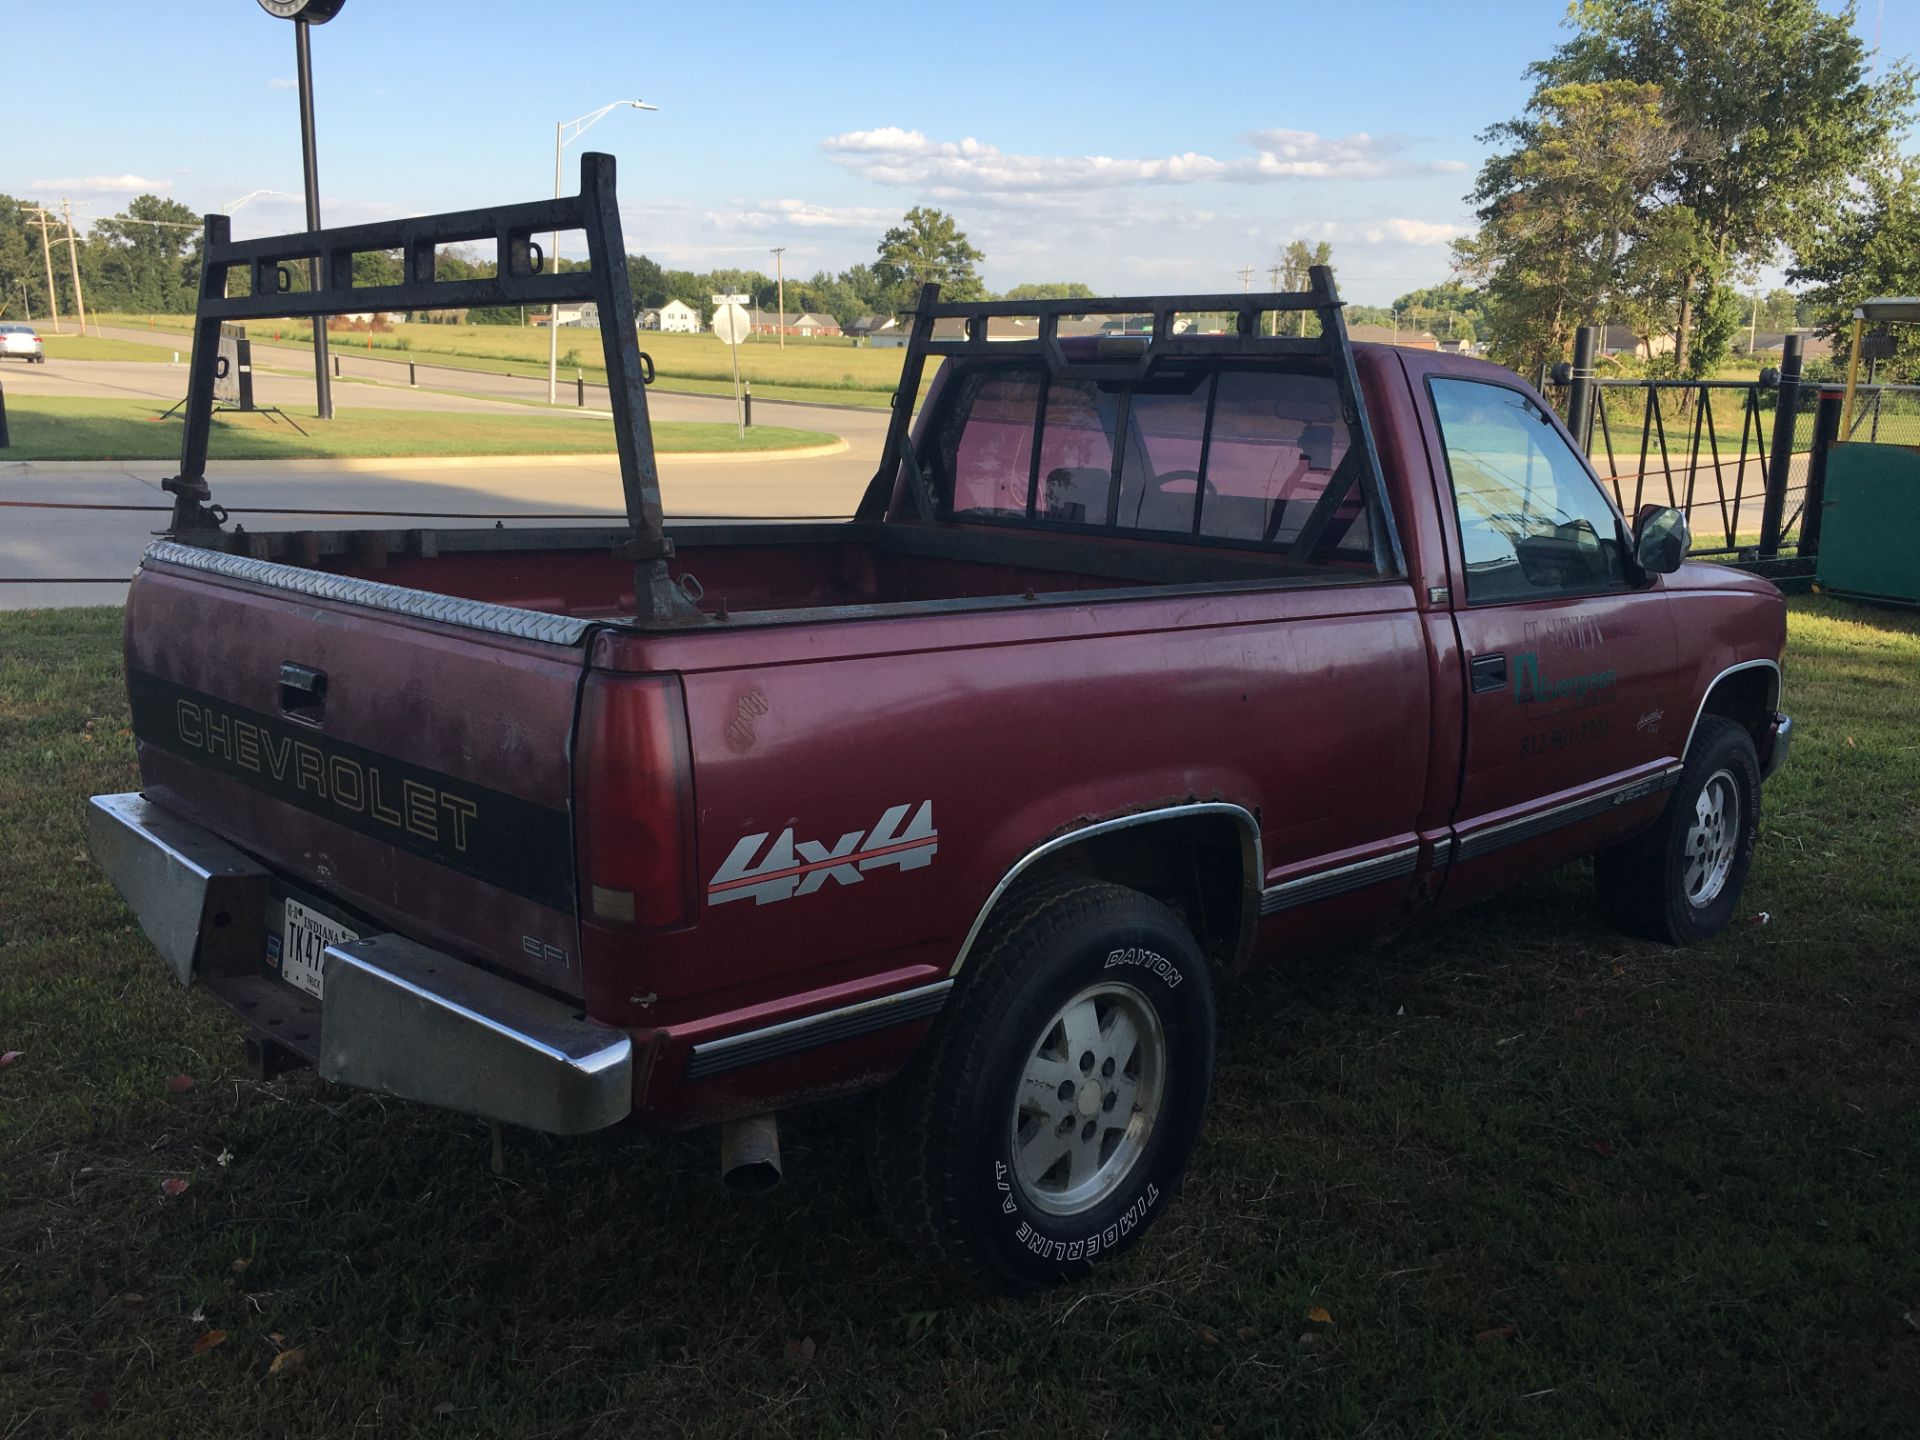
column 771, row 572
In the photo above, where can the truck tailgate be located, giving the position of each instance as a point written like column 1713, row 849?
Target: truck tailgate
column 410, row 772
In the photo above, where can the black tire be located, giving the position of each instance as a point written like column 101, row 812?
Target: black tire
column 943, row 1152
column 1651, row 885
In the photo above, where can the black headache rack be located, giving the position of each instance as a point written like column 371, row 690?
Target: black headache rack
column 520, row 278
column 1133, row 355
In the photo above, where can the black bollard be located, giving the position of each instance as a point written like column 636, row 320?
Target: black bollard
column 746, row 406
column 5, row 440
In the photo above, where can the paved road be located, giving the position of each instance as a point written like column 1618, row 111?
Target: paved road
column 97, row 543
column 527, row 384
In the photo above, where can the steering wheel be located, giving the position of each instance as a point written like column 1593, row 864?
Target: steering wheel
column 1160, row 480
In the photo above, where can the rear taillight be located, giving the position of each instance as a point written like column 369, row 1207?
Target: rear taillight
column 633, row 802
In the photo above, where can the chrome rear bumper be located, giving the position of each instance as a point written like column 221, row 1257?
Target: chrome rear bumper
column 398, row 1017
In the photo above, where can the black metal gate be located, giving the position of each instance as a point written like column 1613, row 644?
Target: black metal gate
column 1735, row 455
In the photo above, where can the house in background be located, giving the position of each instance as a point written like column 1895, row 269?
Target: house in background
column 1621, row 340
column 1812, row 346
column 1405, row 337
column 870, row 327
column 676, row 317
column 810, row 324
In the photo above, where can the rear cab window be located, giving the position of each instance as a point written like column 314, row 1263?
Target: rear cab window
column 1224, row 454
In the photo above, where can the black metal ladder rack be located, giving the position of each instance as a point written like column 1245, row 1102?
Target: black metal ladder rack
column 520, row 277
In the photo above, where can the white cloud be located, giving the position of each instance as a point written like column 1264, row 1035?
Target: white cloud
column 890, row 155
column 282, row 82
column 105, row 185
column 1415, row 232
column 805, row 215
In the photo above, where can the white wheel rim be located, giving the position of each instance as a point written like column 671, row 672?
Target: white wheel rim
column 1712, row 839
column 1088, row 1098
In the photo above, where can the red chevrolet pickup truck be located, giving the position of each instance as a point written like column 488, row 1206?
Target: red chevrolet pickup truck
column 1146, row 658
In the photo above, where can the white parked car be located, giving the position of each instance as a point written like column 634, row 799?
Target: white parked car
column 23, row 341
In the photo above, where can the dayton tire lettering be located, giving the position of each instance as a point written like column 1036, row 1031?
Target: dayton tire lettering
column 789, row 867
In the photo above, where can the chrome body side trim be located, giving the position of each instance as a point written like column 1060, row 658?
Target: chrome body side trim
column 750, row 1047
column 1252, row 870
column 1324, row 884
column 184, row 885
column 410, row 1021
column 372, row 595
column 1527, row 827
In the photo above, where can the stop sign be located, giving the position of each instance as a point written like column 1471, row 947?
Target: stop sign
column 730, row 323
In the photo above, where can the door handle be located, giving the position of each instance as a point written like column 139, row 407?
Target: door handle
column 303, row 690
column 1489, row 672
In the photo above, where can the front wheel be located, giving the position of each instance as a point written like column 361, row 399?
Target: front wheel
column 1681, row 881
column 1051, row 1116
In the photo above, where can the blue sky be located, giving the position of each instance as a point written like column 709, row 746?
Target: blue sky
column 1134, row 147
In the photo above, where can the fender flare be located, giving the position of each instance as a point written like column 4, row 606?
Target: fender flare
column 1714, row 684
column 1252, row 863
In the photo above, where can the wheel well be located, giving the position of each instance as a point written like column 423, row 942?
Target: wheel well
column 1202, row 867
column 1746, row 697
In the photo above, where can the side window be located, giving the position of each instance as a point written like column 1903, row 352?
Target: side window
column 1532, row 521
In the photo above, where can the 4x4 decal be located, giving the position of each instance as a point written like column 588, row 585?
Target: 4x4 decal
column 790, row 867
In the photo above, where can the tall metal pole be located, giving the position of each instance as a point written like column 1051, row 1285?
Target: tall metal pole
column 1786, row 414
column 73, row 259
column 780, row 285
column 303, row 55
column 553, row 307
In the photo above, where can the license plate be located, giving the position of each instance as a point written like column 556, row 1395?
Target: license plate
column 303, row 945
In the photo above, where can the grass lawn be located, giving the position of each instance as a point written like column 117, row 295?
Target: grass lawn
column 61, row 428
column 1543, row 1180
column 89, row 347
column 824, row 369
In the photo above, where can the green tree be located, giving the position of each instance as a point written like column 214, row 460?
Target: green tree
column 1772, row 109
column 1870, row 247
column 1559, row 209
column 927, row 246
column 146, row 259
column 1452, row 310
column 647, row 281
column 1778, row 310
column 23, row 278
column 1051, row 290
column 1295, row 260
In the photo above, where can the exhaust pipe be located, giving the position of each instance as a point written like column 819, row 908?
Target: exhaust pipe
column 750, row 1154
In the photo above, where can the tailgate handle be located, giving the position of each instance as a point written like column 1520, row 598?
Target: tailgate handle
column 303, row 690
column 1489, row 673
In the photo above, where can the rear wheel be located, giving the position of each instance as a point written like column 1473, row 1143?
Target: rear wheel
column 1050, row 1117
column 1681, row 881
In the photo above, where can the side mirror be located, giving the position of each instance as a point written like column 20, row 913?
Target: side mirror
column 1661, row 539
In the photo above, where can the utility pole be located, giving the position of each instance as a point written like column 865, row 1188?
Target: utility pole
column 1246, row 279
column 1273, row 282
column 46, row 253
column 73, row 259
column 780, row 285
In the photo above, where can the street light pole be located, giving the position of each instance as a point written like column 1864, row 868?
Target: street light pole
column 780, row 287
column 561, row 139
column 303, row 55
